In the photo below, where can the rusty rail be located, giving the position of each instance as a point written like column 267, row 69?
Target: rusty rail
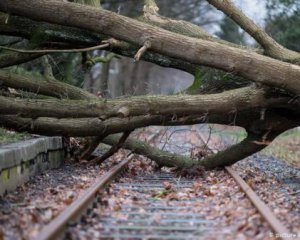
column 56, row 228
column 279, row 229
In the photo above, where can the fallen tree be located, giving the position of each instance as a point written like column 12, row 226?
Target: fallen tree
column 265, row 109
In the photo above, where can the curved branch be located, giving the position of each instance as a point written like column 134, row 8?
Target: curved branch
column 162, row 158
column 271, row 47
column 151, row 16
column 40, row 85
column 45, row 51
column 10, row 59
column 226, row 157
column 247, row 147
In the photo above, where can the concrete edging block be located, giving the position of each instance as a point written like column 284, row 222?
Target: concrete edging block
column 22, row 160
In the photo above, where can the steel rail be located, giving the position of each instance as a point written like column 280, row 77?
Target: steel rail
column 56, row 228
column 279, row 229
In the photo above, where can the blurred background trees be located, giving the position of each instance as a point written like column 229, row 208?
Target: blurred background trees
column 283, row 22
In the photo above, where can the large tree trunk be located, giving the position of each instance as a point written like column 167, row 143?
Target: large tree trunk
column 183, row 105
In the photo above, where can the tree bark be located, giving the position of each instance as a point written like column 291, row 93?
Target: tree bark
column 263, row 112
column 41, row 85
column 81, row 127
column 177, row 105
column 229, row 156
column 26, row 28
column 10, row 59
column 271, row 47
column 244, row 63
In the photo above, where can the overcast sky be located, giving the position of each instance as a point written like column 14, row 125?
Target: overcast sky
column 255, row 9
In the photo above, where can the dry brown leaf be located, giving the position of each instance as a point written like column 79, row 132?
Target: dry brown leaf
column 67, row 201
column 167, row 185
column 208, row 193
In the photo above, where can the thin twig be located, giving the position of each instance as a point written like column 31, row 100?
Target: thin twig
column 105, row 45
column 142, row 50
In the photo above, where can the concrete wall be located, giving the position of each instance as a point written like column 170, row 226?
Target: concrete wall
column 22, row 160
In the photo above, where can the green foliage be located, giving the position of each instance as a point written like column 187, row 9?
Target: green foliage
column 230, row 31
column 198, row 76
column 287, row 7
column 283, row 22
column 94, row 3
column 100, row 59
column 286, row 147
column 66, row 68
column 214, row 81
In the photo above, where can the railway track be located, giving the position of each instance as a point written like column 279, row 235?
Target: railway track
column 154, row 220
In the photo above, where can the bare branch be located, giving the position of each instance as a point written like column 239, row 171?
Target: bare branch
column 236, row 152
column 44, row 51
column 11, row 59
column 83, row 127
column 152, row 17
column 40, row 85
column 224, row 158
column 272, row 48
column 240, row 62
column 142, row 50
column 225, row 102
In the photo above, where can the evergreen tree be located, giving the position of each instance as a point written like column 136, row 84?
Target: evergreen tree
column 230, row 31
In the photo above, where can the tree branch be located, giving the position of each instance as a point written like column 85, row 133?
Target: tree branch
column 45, row 51
column 151, row 16
column 142, row 50
column 176, row 105
column 226, row 157
column 11, row 59
column 162, row 158
column 243, row 63
column 271, row 47
column 40, row 85
column 237, row 152
column 82, row 127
